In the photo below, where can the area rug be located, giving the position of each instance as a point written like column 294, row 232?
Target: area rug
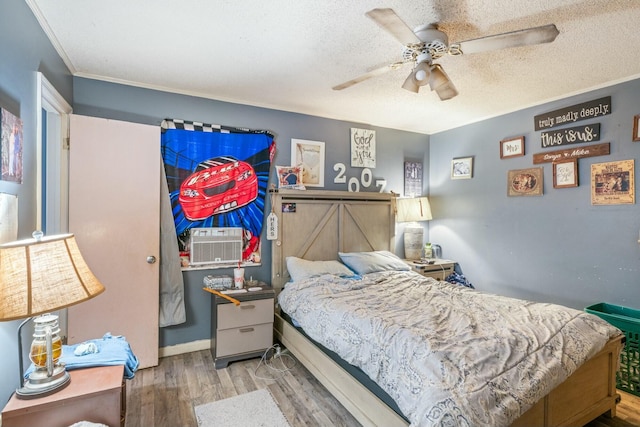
column 255, row 409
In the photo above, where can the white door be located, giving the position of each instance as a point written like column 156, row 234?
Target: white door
column 114, row 212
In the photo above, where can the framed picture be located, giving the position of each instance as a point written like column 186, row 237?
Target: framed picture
column 512, row 147
column 524, row 182
column 612, row 183
column 565, row 173
column 290, row 177
column 309, row 154
column 363, row 148
column 636, row 127
column 412, row 179
column 462, row 168
column 10, row 146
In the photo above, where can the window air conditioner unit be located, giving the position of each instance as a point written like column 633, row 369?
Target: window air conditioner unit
column 216, row 245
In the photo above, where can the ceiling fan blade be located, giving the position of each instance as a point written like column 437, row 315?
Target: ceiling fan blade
column 369, row 74
column 544, row 34
column 391, row 22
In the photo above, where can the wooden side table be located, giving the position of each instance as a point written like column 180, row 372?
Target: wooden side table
column 94, row 394
column 439, row 270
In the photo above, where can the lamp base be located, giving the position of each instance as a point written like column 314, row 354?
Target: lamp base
column 40, row 384
column 413, row 242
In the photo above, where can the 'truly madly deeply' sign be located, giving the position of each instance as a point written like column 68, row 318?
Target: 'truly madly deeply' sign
column 574, row 113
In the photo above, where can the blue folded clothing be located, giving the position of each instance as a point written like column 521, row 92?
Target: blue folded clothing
column 107, row 351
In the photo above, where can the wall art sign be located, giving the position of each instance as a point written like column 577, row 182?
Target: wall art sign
column 612, row 183
column 636, row 128
column 574, row 113
column 309, row 154
column 524, row 182
column 512, row 147
column 412, row 179
column 11, row 146
column 363, row 148
column 571, row 153
column 574, row 135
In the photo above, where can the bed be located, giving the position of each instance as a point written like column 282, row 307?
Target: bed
column 319, row 226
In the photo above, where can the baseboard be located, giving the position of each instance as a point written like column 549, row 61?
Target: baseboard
column 187, row 347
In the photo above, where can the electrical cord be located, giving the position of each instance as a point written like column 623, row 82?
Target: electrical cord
column 273, row 359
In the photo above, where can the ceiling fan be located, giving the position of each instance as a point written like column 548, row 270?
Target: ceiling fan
column 426, row 43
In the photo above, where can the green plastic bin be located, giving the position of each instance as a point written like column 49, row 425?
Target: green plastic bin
column 628, row 321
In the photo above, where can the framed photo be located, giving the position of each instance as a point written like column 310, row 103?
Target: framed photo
column 512, row 147
column 565, row 173
column 290, row 177
column 612, row 183
column 412, row 179
column 363, row 148
column 10, row 147
column 636, row 127
column 309, row 154
column 524, row 182
column 462, row 168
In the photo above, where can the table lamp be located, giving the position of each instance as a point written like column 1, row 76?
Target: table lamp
column 38, row 276
column 412, row 210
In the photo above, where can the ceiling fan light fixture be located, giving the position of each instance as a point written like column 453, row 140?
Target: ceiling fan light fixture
column 410, row 83
column 438, row 77
column 447, row 91
column 422, row 74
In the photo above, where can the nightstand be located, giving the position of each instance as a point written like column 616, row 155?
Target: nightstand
column 94, row 394
column 242, row 331
column 439, row 270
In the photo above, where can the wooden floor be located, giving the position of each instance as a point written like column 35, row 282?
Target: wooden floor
column 164, row 396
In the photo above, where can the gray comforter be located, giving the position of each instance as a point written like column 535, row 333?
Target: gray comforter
column 448, row 355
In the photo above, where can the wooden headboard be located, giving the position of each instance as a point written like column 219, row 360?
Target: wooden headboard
column 316, row 225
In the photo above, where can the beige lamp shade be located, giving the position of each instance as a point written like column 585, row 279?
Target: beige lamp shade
column 42, row 275
column 415, row 209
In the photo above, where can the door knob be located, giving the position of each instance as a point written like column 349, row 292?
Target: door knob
column 151, row 259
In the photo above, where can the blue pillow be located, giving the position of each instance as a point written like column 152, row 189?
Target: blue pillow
column 371, row 262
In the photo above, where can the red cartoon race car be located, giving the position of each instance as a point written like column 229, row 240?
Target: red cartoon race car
column 217, row 185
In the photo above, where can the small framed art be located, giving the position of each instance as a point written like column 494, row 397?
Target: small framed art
column 309, row 154
column 565, row 173
column 636, row 127
column 512, row 147
column 462, row 168
column 524, row 182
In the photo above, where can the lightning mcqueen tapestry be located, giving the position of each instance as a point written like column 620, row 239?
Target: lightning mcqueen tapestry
column 217, row 177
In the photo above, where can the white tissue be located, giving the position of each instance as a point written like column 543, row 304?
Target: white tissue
column 85, row 348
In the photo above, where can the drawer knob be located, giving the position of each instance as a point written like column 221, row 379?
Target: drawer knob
column 246, row 330
column 247, row 307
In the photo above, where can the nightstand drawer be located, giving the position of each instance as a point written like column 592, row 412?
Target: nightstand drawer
column 247, row 313
column 244, row 339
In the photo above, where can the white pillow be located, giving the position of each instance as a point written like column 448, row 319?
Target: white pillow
column 300, row 269
column 371, row 262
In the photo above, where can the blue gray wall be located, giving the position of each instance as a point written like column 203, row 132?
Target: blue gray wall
column 120, row 102
column 25, row 50
column 556, row 247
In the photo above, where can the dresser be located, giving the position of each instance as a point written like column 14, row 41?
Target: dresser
column 241, row 331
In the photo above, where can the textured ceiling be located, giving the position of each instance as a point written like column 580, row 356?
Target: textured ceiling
column 288, row 54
